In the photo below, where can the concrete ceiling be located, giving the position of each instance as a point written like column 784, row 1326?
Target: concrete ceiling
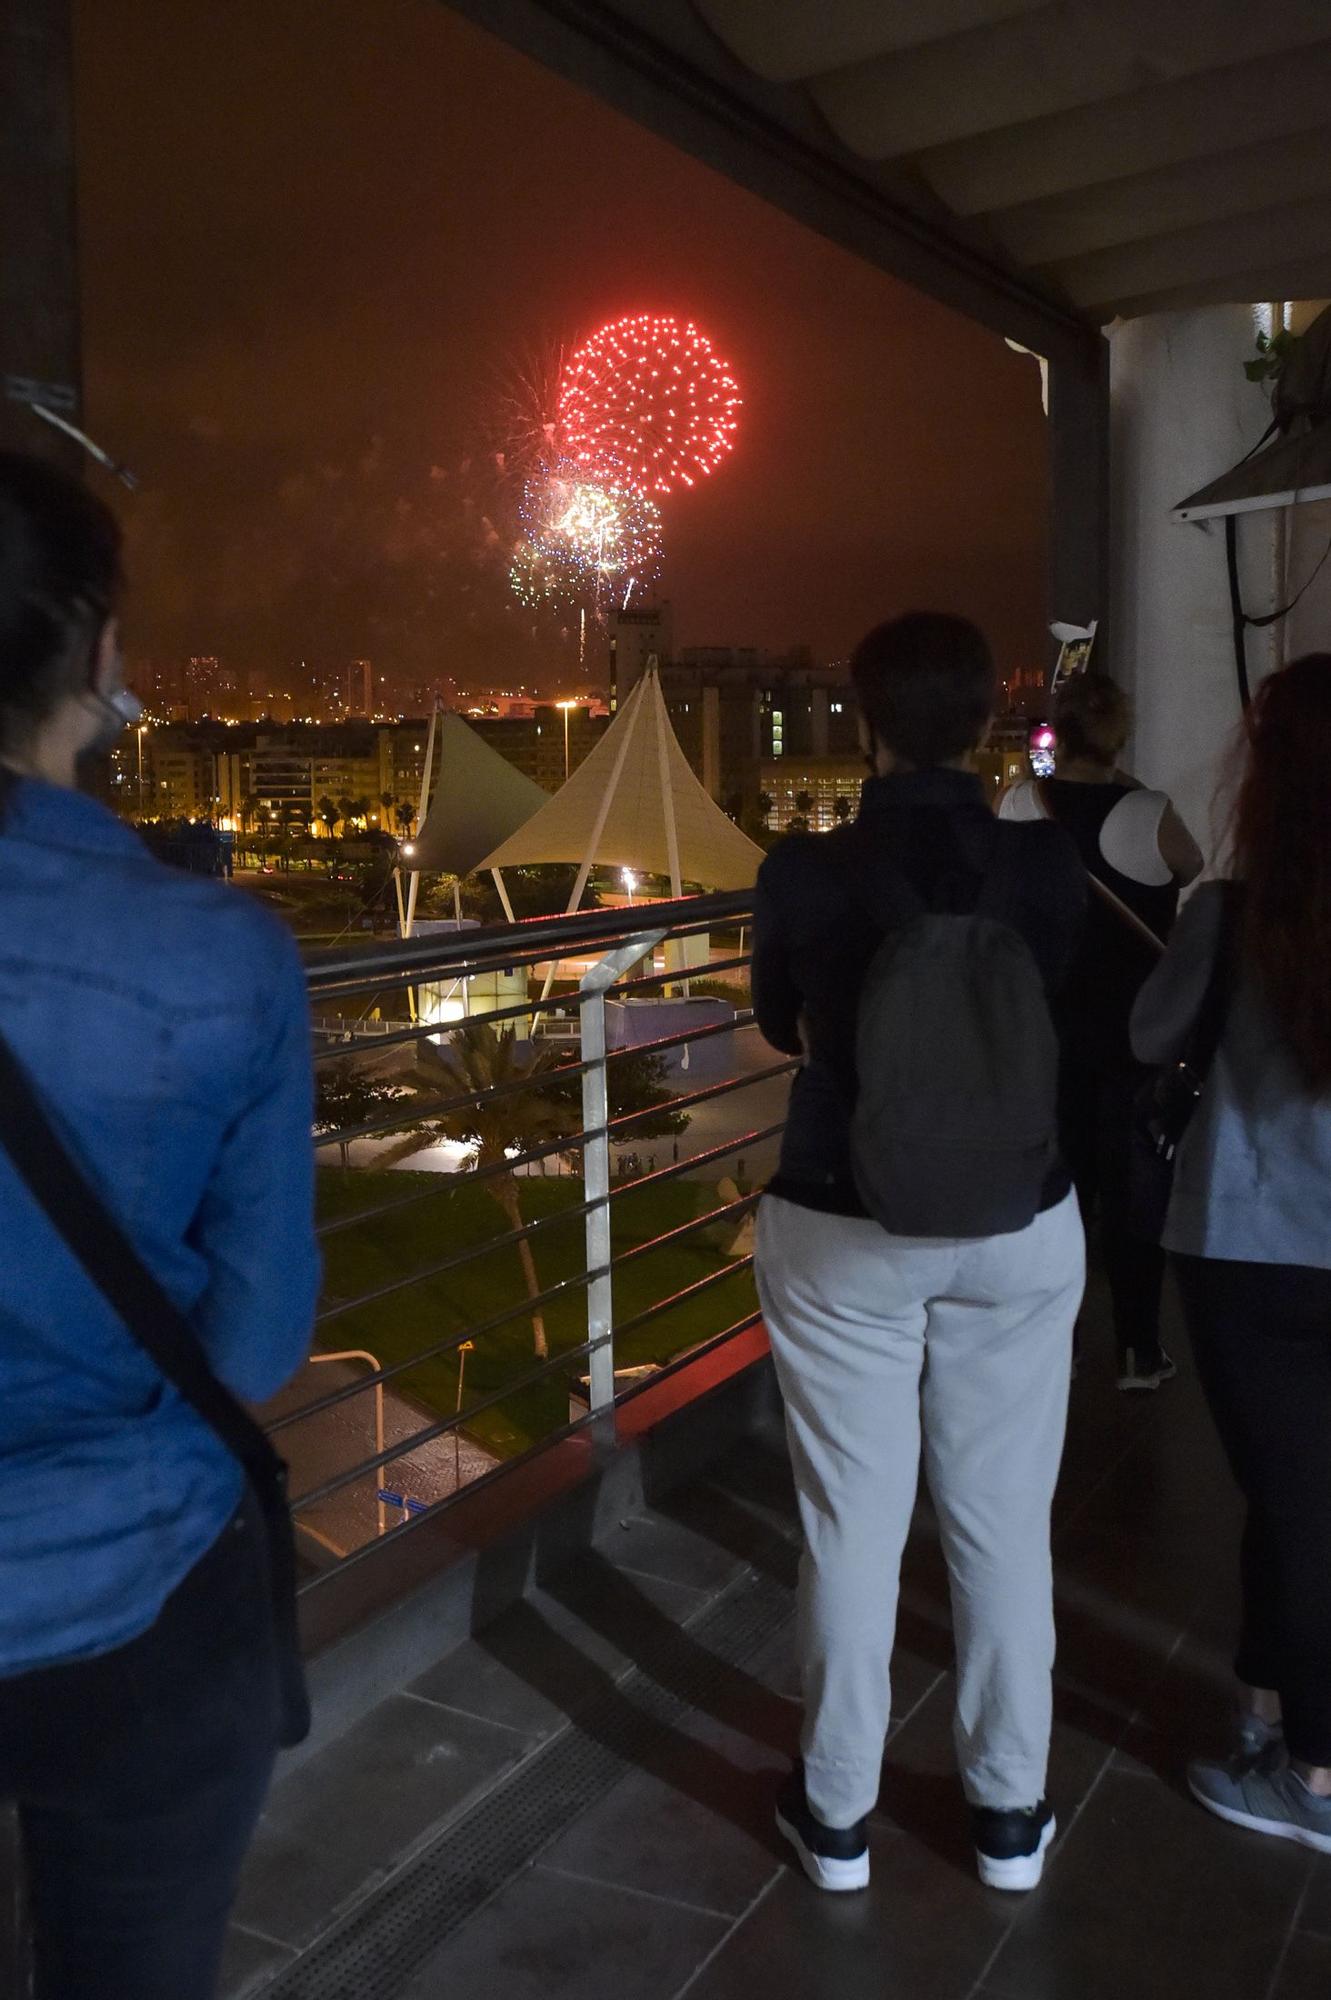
column 1123, row 156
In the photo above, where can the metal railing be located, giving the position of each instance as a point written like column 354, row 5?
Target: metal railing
column 426, row 1281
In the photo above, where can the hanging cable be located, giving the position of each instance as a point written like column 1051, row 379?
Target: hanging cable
column 1240, row 618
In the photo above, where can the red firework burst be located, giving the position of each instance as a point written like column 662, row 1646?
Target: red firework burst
column 648, row 401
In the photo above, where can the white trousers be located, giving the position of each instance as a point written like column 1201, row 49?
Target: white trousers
column 886, row 1345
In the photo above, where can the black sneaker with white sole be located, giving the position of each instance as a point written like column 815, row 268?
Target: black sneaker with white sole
column 1010, row 1846
column 832, row 1857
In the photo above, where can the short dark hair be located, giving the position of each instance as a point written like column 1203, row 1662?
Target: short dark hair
column 926, row 685
column 60, row 580
column 1092, row 717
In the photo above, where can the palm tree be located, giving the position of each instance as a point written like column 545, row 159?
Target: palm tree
column 346, row 810
column 482, row 1059
column 842, row 807
column 404, row 812
column 804, row 803
column 360, row 812
column 249, row 805
column 327, row 810
column 387, row 801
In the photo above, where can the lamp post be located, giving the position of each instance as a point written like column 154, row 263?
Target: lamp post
column 567, row 707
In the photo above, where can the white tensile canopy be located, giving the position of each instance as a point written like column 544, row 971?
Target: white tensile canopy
column 479, row 798
column 636, row 803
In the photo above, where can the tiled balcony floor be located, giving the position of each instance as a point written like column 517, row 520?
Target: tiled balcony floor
column 578, row 1805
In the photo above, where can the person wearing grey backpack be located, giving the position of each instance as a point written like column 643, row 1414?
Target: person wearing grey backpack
column 920, row 1254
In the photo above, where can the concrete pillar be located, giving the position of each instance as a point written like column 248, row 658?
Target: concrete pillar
column 1303, row 534
column 39, row 298
column 1078, row 407
column 1182, row 413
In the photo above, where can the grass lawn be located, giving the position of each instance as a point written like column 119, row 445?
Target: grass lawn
column 457, row 1214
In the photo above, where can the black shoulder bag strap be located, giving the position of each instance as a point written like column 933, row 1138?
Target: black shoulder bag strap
column 1208, row 1029
column 80, row 1217
column 1164, row 1106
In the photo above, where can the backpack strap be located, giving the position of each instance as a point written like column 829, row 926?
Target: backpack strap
column 999, row 889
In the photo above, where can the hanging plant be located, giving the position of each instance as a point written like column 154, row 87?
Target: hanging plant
column 1273, row 353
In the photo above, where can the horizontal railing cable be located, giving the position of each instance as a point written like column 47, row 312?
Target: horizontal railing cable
column 531, row 941
column 448, row 1184
column 627, row 1326
column 508, row 1240
column 431, row 1510
column 542, row 1080
column 404, row 1446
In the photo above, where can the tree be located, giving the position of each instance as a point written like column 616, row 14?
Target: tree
column 387, row 801
column 328, row 812
column 482, row 1059
column 798, row 824
column 804, row 803
column 360, row 811
column 405, row 814
column 842, row 808
column 347, row 1095
column 539, row 891
column 636, row 1082
column 346, row 809
column 765, row 803
column 249, row 805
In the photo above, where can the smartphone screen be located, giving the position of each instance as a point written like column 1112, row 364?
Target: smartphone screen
column 1040, row 750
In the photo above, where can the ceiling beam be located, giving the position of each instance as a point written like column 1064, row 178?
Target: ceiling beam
column 695, row 97
column 1308, row 280
column 788, row 41
column 1058, row 60
column 1291, row 234
column 1154, row 204
column 1158, row 126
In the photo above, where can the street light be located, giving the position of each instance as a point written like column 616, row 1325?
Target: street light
column 630, row 881
column 566, row 706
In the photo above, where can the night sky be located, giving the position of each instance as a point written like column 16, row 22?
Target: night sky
column 316, row 233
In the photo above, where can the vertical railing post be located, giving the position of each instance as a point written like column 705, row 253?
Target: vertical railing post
column 595, row 984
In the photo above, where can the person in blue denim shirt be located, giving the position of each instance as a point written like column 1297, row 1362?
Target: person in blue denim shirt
column 163, row 1019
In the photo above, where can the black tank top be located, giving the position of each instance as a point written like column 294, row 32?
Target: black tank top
column 1112, row 963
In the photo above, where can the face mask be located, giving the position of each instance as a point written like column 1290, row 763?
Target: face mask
column 121, row 711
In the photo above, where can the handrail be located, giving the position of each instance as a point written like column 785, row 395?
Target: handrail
column 617, row 949
column 536, row 939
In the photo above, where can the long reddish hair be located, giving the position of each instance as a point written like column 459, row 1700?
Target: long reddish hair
column 1282, row 843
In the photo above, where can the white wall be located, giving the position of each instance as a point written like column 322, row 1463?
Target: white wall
column 1182, row 413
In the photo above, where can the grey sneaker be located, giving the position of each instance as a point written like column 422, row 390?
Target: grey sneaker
column 1258, row 1745
column 1274, row 1802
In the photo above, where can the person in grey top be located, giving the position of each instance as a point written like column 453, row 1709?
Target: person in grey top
column 1249, row 1231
